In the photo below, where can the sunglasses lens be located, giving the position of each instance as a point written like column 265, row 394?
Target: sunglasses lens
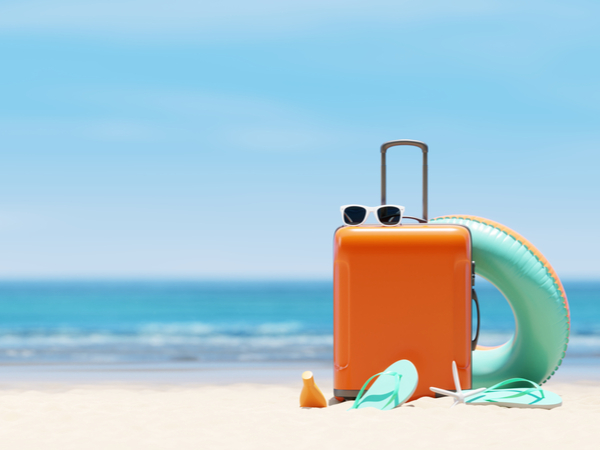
column 389, row 215
column 354, row 215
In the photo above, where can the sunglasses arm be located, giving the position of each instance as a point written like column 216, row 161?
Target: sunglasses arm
column 415, row 218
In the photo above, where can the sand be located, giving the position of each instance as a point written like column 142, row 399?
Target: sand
column 266, row 415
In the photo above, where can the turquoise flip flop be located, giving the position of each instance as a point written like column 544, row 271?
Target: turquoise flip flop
column 394, row 386
column 533, row 397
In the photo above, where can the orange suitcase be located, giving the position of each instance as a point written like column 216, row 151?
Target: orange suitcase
column 402, row 292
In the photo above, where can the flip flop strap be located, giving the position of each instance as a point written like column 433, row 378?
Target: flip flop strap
column 519, row 393
column 362, row 390
column 514, row 380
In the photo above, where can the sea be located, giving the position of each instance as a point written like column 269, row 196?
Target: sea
column 219, row 322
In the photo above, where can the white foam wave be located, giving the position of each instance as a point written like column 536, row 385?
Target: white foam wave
column 579, row 344
column 204, row 329
column 199, row 341
column 265, row 335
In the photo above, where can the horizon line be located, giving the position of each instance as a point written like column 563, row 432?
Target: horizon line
column 204, row 279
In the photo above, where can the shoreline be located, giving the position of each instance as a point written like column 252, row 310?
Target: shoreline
column 574, row 369
column 285, row 374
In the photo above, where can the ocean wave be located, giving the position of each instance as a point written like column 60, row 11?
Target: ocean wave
column 168, row 342
column 235, row 329
column 188, row 329
column 216, row 338
column 198, row 341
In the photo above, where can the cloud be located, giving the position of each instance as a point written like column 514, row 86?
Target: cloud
column 65, row 129
column 225, row 19
column 247, row 122
column 176, row 117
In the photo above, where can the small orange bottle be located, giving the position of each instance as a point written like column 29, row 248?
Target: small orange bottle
column 311, row 396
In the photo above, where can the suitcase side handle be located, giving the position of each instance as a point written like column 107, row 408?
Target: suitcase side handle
column 476, row 339
column 425, row 149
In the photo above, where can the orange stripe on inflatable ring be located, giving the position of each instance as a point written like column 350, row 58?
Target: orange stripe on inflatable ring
column 485, row 347
column 547, row 326
column 530, row 247
column 527, row 245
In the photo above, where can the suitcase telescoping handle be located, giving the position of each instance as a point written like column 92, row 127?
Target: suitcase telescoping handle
column 424, row 148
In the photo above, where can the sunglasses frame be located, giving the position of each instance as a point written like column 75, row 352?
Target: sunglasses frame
column 372, row 209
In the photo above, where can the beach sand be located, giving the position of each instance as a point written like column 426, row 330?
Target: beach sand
column 224, row 411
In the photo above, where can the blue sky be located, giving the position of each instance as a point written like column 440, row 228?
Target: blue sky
column 218, row 139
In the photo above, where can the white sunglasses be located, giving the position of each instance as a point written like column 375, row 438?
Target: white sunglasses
column 386, row 215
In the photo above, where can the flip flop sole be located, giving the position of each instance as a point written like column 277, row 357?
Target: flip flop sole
column 550, row 400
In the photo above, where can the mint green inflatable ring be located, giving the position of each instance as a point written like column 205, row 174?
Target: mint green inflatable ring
column 537, row 299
